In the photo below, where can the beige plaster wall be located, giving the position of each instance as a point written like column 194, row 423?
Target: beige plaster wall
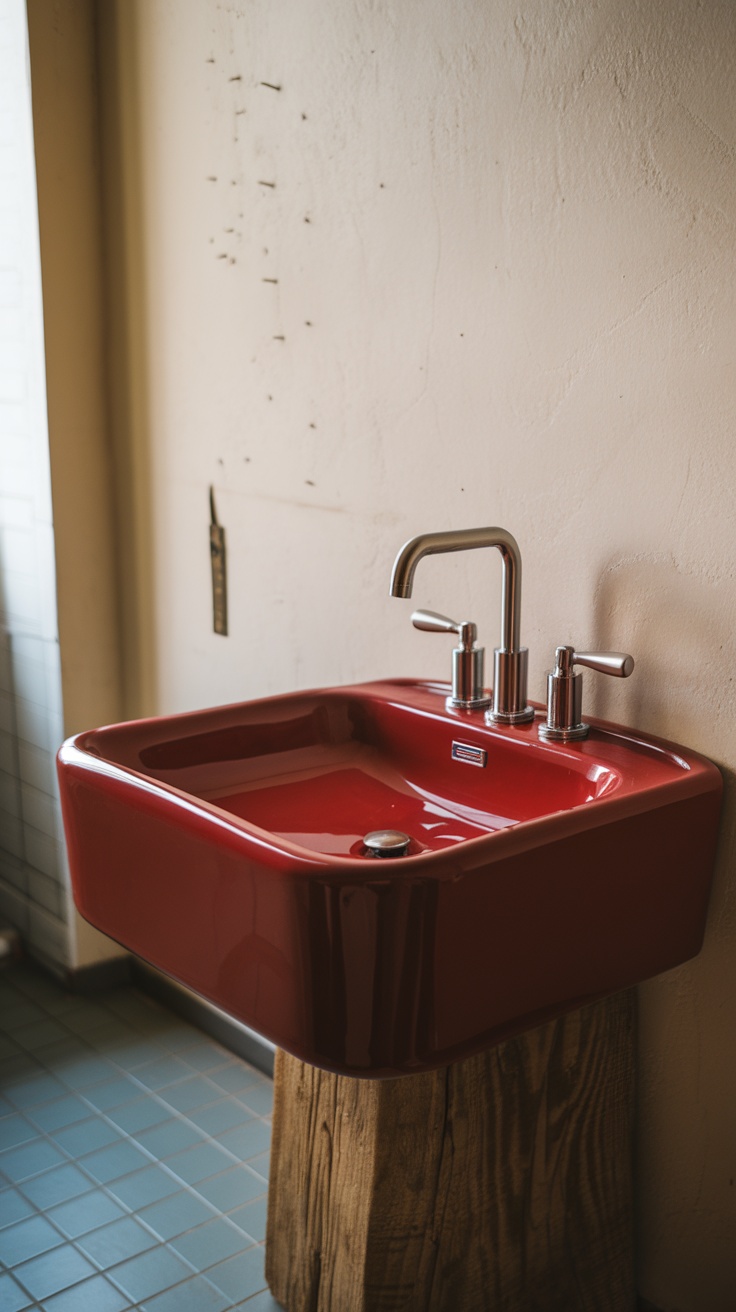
column 376, row 268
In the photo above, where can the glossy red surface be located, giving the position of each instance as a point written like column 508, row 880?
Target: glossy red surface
column 224, row 847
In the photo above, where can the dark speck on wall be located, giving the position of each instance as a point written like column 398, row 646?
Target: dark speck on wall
column 309, row 482
column 236, row 78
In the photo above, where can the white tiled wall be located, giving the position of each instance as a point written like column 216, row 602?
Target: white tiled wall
column 33, row 879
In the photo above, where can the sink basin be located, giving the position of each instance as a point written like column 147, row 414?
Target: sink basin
column 225, row 847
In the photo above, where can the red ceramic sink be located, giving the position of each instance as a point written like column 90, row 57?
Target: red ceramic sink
column 226, row 848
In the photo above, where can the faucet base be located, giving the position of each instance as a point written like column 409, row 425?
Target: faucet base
column 472, row 704
column 559, row 735
column 524, row 716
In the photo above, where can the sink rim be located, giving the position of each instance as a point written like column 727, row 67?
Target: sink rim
column 693, row 775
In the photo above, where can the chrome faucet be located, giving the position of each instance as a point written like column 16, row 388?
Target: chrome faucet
column 510, row 659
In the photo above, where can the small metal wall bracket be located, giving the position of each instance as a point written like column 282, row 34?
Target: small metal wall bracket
column 219, row 570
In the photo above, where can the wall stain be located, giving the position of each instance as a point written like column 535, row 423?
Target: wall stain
column 293, row 501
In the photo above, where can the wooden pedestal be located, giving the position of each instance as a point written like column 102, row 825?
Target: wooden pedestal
column 499, row 1184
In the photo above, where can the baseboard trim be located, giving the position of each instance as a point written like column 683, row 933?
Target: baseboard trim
column 232, row 1034
column 119, row 971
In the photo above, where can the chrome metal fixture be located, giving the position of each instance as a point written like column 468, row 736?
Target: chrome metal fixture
column 565, row 689
column 468, row 693
column 510, row 659
column 386, row 843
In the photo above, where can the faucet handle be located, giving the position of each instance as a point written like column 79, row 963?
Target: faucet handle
column 617, row 663
column 565, row 689
column 467, row 659
column 430, row 622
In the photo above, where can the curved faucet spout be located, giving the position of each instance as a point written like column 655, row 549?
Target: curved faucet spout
column 509, row 693
column 467, row 539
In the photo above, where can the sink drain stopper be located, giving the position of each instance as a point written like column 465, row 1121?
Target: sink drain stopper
column 387, row 842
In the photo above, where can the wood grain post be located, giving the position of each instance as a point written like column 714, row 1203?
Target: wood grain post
column 499, row 1184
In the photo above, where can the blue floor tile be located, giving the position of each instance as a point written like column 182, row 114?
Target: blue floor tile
column 12, row 1297
column 240, row 1276
column 84, row 1072
column 30, row 1159
column 53, row 1272
column 139, row 1115
column 86, row 1136
column 247, row 1140
column 263, row 1302
column 261, row 1164
column 197, row 1295
column 27, row 1239
column 81, row 1215
column 178, row 1035
column 210, row 1243
column 259, row 1097
column 112, row 1094
column 199, row 1162
column 116, row 1243
column 113, row 1162
column 204, row 1056
column 172, row 1216
column 39, row 1033
column 171, row 1137
column 236, row 1186
column 95, row 1295
column 15, row 1130
column 132, row 1095
column 196, row 1092
column 167, row 1070
column 14, row 1207
column 63, row 1111
column 146, row 1186
column 234, row 1078
column 252, row 1218
column 28, row 1093
column 221, row 1116
column 150, row 1273
column 56, row 1186
column 131, row 1051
